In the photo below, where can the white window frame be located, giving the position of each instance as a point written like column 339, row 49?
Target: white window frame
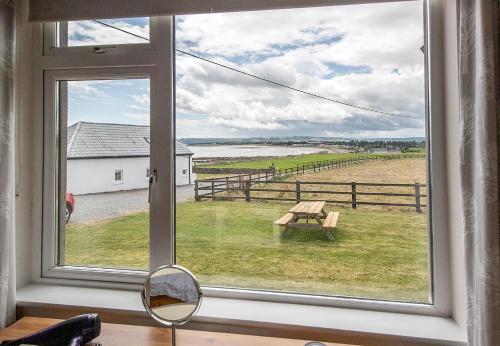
column 155, row 65
column 51, row 45
column 158, row 60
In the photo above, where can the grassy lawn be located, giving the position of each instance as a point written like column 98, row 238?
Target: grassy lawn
column 282, row 162
column 375, row 253
column 122, row 242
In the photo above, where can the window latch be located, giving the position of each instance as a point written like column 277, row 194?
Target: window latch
column 102, row 49
column 152, row 179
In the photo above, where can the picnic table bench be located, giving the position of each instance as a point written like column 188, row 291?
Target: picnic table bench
column 306, row 211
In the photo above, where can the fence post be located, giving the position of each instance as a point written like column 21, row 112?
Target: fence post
column 297, row 191
column 227, row 182
column 274, row 170
column 247, row 190
column 417, row 198
column 314, row 167
column 213, row 191
column 303, row 170
column 196, row 197
column 267, row 179
column 297, row 169
column 353, row 195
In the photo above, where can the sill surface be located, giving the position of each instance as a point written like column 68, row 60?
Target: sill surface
column 244, row 315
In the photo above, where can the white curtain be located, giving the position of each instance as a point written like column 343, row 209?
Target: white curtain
column 7, row 173
column 480, row 140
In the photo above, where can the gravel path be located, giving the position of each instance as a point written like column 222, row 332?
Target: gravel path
column 184, row 192
column 112, row 204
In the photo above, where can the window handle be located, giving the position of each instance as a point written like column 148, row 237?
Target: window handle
column 102, row 49
column 152, row 179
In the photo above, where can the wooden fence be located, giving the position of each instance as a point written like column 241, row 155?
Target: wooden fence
column 223, row 189
column 311, row 167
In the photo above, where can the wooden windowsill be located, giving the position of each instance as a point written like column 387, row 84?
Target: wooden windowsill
column 119, row 334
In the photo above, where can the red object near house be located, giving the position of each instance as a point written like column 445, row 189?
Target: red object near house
column 70, row 205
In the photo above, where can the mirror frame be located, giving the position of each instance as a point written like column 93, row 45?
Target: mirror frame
column 160, row 319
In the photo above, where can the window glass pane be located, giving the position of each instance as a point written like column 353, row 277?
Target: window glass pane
column 118, row 176
column 104, row 32
column 254, row 149
column 107, row 153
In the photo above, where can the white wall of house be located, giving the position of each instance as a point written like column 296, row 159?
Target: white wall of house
column 183, row 169
column 98, row 175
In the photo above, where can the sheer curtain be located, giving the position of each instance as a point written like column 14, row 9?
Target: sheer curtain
column 480, row 113
column 7, row 194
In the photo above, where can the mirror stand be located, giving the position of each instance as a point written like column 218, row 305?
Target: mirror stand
column 172, row 330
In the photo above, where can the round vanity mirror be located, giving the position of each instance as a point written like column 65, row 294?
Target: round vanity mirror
column 171, row 295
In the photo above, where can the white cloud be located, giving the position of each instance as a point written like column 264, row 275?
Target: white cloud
column 87, row 87
column 143, row 117
column 87, row 33
column 347, row 53
column 134, row 106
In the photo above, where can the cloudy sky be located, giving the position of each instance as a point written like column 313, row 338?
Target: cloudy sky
column 368, row 55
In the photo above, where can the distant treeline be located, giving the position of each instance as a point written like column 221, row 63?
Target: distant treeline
column 308, row 141
column 404, row 146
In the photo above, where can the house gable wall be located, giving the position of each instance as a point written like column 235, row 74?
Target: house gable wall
column 98, row 175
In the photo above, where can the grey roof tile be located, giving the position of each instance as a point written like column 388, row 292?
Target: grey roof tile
column 99, row 140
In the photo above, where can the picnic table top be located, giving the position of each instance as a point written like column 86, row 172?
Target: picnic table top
column 308, row 208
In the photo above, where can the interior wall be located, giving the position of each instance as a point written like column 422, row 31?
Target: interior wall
column 29, row 125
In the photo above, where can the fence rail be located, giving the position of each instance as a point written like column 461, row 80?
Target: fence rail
column 246, row 191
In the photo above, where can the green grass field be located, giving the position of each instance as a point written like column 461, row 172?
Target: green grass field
column 283, row 162
column 375, row 254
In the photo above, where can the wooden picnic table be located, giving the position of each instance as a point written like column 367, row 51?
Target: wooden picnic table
column 309, row 210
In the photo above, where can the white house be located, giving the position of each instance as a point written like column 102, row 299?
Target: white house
column 115, row 157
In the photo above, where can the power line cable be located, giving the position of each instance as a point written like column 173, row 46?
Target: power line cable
column 119, row 29
column 265, row 79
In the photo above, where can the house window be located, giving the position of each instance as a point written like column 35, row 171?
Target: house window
column 311, row 107
column 119, row 176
